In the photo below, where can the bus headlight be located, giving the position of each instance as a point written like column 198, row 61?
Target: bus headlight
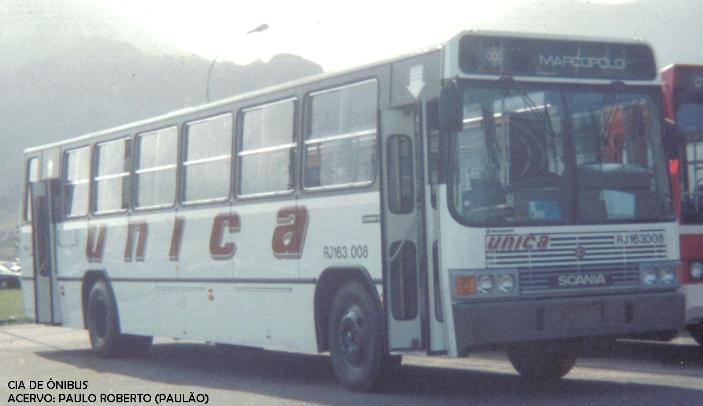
column 506, row 283
column 484, row 284
column 695, row 270
column 649, row 277
column 667, row 276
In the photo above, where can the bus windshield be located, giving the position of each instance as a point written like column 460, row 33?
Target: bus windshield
column 546, row 154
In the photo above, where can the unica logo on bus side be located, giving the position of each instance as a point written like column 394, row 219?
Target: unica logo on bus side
column 286, row 242
column 516, row 242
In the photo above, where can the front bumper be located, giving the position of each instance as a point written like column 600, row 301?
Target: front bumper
column 489, row 324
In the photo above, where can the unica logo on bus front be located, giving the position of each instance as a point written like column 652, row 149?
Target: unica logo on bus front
column 516, row 242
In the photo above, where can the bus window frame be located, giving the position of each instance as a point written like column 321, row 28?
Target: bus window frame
column 93, row 177
column 135, row 162
column 64, row 157
column 307, row 122
column 239, row 141
column 182, row 150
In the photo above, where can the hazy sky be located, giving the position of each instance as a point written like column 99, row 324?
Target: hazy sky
column 331, row 33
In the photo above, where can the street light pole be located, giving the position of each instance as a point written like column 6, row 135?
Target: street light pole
column 260, row 28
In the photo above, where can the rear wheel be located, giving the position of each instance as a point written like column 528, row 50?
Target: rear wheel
column 355, row 336
column 543, row 361
column 104, row 326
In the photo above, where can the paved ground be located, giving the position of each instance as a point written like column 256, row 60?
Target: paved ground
column 621, row 373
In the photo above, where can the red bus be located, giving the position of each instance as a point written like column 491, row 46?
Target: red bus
column 683, row 105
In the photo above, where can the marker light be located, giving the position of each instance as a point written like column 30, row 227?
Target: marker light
column 465, row 285
column 695, row 270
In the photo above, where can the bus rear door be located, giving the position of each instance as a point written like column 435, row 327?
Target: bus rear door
column 44, row 195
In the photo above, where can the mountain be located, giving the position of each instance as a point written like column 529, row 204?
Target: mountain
column 89, row 77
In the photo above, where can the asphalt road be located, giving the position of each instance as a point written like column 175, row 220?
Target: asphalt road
column 620, row 373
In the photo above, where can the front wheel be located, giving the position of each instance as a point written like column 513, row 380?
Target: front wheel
column 355, row 333
column 696, row 331
column 544, row 360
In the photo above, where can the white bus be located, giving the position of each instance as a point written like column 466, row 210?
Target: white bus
column 497, row 191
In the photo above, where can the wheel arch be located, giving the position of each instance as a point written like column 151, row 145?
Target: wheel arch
column 90, row 277
column 329, row 281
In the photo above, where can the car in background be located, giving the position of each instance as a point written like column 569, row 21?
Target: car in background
column 8, row 277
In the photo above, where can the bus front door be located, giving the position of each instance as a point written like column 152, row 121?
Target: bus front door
column 403, row 227
column 44, row 202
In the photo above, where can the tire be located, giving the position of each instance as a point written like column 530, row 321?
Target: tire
column 356, row 340
column 543, row 361
column 103, row 323
column 106, row 339
column 696, row 331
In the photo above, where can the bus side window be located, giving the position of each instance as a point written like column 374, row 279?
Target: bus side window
column 31, row 177
column 267, row 149
column 112, row 176
column 207, row 159
column 76, row 181
column 155, row 172
column 340, row 141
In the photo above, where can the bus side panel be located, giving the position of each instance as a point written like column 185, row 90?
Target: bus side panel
column 269, row 309
column 145, row 280
column 276, row 316
column 210, row 240
column 350, row 222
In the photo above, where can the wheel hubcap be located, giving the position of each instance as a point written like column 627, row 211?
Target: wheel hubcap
column 352, row 336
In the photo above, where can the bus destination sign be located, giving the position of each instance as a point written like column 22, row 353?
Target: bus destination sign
column 690, row 82
column 497, row 55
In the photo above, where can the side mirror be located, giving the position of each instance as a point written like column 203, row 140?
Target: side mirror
column 451, row 110
column 670, row 140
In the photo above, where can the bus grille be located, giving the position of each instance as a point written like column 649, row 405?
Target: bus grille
column 545, row 279
column 578, row 250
